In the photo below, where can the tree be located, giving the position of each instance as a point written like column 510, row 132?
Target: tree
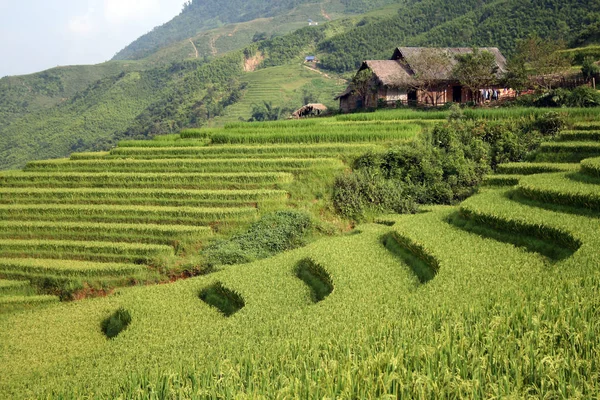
column 266, row 112
column 476, row 70
column 428, row 66
column 589, row 68
column 363, row 84
column 544, row 61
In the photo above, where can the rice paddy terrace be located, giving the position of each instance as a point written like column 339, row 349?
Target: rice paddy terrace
column 495, row 297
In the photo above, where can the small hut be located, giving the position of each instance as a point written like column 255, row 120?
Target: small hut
column 309, row 110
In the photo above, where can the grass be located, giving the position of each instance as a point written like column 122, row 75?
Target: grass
column 171, row 235
column 196, row 166
column 124, row 214
column 233, row 180
column 148, row 197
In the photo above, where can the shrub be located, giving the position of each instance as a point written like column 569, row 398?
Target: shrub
column 549, row 124
column 444, row 167
column 272, row 234
column 584, row 96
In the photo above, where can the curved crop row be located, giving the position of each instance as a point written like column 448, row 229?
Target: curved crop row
column 130, row 214
column 133, row 233
column 341, row 136
column 276, row 151
column 247, row 180
column 579, row 135
column 591, row 167
column 89, row 156
column 567, row 151
column 82, row 250
column 161, row 143
column 559, row 189
column 163, row 197
column 11, row 303
column 186, row 165
column 527, row 168
column 67, row 268
column 494, row 210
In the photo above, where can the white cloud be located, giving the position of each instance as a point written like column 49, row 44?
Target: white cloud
column 121, row 11
column 82, row 24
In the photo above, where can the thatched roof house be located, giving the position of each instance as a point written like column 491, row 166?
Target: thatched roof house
column 394, row 79
column 309, row 110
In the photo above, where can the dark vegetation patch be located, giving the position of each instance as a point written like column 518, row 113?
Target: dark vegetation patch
column 423, row 265
column 116, row 323
column 574, row 206
column 551, row 242
column 316, row 278
column 225, row 300
column 272, row 234
column 444, row 167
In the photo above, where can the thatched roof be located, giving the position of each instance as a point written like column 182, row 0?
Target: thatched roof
column 390, row 73
column 398, row 72
column 406, row 54
column 308, row 109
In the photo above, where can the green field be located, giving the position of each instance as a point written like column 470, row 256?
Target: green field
column 495, row 297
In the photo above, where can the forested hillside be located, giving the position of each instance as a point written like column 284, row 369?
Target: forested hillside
column 202, row 15
column 466, row 23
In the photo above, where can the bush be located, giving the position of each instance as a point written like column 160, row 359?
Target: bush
column 272, row 234
column 584, row 96
column 549, row 124
column 444, row 167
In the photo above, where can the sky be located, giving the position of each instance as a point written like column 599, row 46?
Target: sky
column 39, row 34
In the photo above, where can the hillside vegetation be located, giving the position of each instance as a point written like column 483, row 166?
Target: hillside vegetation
column 496, row 296
column 53, row 113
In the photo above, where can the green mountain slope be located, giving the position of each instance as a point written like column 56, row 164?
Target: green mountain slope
column 202, row 15
column 190, row 91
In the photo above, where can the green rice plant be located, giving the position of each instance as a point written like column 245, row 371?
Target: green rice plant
column 260, row 151
column 496, row 315
column 579, row 135
column 397, row 115
column 502, row 180
column 89, row 156
column 26, row 267
column 12, row 288
column 402, row 132
column 591, row 167
column 534, row 168
column 156, row 197
column 246, row 180
column 492, row 209
column 168, row 137
column 559, row 189
column 572, row 146
column 567, row 151
column 84, row 250
column 9, row 304
column 125, row 214
column 129, row 233
column 186, row 165
column 586, row 126
column 162, row 143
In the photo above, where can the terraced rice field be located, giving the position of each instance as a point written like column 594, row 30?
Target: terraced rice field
column 497, row 297
column 152, row 203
